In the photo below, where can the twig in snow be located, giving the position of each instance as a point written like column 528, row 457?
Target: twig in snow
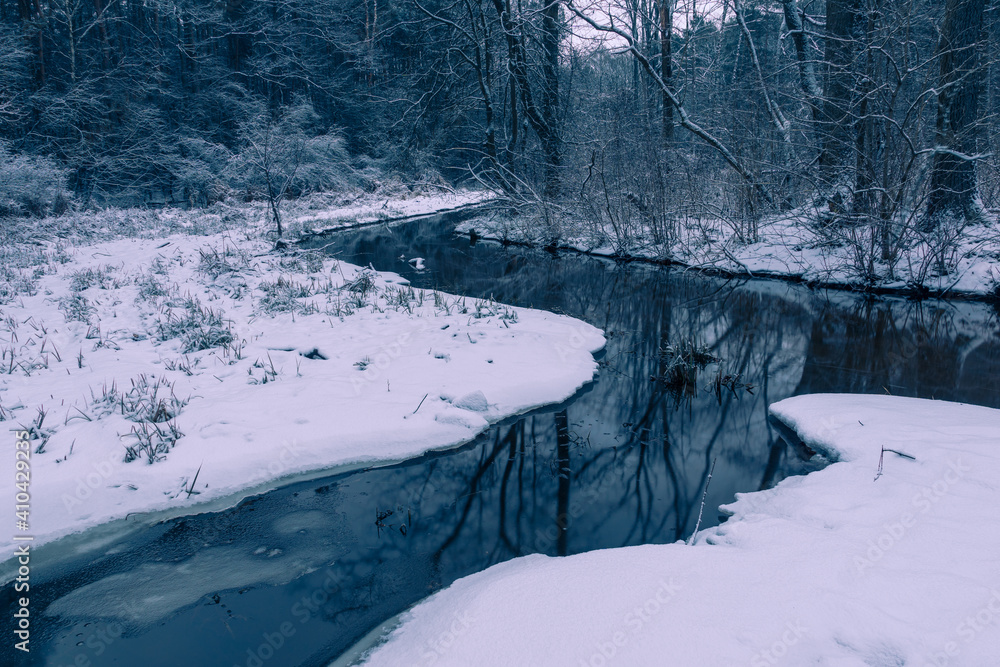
column 905, row 456
column 881, row 457
column 702, row 508
column 420, row 403
column 190, row 489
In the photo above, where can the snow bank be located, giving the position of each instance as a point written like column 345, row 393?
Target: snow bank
column 834, row 568
column 791, row 246
column 225, row 367
column 371, row 209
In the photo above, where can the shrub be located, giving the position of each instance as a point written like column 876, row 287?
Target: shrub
column 213, row 263
column 196, row 167
column 31, row 185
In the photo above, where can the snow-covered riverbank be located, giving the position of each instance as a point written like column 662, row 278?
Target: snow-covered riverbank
column 159, row 372
column 884, row 557
column 952, row 263
column 369, row 210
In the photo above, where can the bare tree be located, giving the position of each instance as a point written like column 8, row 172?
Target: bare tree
column 794, row 21
column 666, row 17
column 953, row 175
column 685, row 119
column 281, row 157
column 836, row 116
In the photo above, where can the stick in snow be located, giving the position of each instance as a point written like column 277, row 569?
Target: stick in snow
column 191, row 489
column 702, row 508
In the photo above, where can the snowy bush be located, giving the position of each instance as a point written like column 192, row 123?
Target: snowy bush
column 149, row 287
column 31, row 185
column 288, row 156
column 197, row 169
column 152, row 441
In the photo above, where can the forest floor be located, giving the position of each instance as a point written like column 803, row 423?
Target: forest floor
column 886, row 556
column 166, row 362
column 953, row 261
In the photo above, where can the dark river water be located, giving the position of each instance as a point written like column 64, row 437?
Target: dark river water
column 297, row 575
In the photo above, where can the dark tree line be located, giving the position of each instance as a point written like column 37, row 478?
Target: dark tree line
column 630, row 112
column 135, row 100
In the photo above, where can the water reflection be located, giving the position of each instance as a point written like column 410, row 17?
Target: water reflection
column 622, row 463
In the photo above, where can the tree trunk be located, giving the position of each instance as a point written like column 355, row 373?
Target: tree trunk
column 239, row 45
column 543, row 121
column 807, row 71
column 31, row 16
column 551, row 145
column 836, row 122
column 869, row 143
column 953, row 174
column 666, row 69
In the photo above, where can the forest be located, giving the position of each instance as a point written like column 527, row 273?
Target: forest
column 874, row 115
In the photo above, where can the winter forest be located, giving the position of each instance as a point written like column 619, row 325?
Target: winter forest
column 500, row 333
column 630, row 114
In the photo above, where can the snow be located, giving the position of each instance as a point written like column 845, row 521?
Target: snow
column 832, row 568
column 367, row 210
column 792, row 246
column 474, row 401
column 328, row 365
